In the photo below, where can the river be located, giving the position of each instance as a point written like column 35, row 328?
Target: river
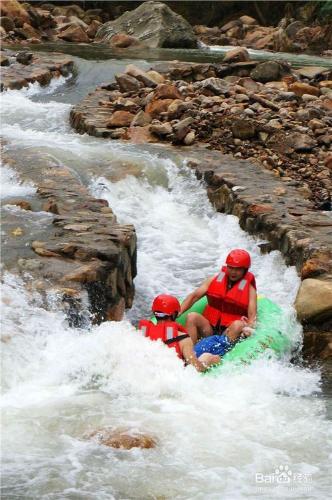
column 231, row 437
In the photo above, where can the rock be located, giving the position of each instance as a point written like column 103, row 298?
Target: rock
column 155, row 24
column 74, row 20
column 279, row 191
column 166, row 91
column 305, row 115
column 241, row 98
column 25, row 205
column 327, row 104
column 300, row 88
column 155, row 76
column 93, row 28
column 258, row 209
column 140, row 135
column 24, row 58
column 154, row 108
column 243, row 129
column 122, row 439
column 301, row 142
column 217, row 85
column 29, row 32
column 267, row 71
column 123, row 41
column 75, row 34
column 230, row 25
column 293, row 28
column 236, row 55
column 181, row 129
column 161, row 129
column 325, row 84
column 15, row 11
column 314, row 301
column 7, row 23
column 326, row 91
column 314, row 267
column 4, row 61
column 249, row 84
column 328, row 161
column 141, row 119
column 311, row 72
column 190, row 138
column 140, row 75
column 41, row 19
column 120, row 119
column 128, row 83
column 309, row 97
column 249, row 21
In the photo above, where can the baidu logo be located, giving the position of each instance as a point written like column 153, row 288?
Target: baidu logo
column 283, row 475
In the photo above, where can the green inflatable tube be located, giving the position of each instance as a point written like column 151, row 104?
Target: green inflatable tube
column 269, row 334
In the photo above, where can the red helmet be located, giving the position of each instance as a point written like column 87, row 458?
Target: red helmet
column 166, row 304
column 238, row 258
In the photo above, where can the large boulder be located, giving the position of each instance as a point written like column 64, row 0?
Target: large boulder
column 153, row 23
column 314, row 301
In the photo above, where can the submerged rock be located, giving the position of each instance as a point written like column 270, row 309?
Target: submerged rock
column 122, row 439
column 153, row 23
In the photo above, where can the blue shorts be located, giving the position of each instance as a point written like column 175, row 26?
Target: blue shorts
column 215, row 344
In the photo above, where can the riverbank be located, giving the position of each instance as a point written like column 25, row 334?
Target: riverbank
column 267, row 112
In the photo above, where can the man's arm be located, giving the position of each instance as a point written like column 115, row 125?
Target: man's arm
column 195, row 295
column 252, row 308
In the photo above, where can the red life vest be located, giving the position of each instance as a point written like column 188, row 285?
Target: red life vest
column 167, row 331
column 227, row 305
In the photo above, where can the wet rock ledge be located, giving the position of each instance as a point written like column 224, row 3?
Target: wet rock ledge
column 83, row 257
column 278, row 212
column 19, row 69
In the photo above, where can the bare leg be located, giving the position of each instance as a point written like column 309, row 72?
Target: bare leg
column 197, row 326
column 235, row 329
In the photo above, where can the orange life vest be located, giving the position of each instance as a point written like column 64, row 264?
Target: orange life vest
column 227, row 305
column 167, row 331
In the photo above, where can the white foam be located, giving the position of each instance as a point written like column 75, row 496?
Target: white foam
column 11, row 185
column 214, row 434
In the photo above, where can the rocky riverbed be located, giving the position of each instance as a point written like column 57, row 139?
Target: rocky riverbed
column 278, row 117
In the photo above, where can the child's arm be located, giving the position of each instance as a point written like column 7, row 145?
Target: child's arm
column 188, row 353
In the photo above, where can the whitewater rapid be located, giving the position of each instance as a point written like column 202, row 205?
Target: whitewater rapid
column 215, row 435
